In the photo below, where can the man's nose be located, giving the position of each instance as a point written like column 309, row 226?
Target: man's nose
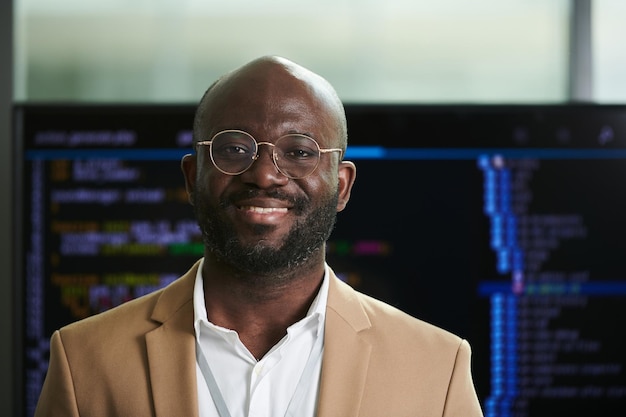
column 263, row 171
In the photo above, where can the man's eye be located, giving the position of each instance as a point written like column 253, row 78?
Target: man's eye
column 299, row 154
column 235, row 149
column 232, row 150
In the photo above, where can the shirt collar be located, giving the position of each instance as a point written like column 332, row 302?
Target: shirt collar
column 317, row 308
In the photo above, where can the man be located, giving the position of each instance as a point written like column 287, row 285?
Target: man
column 261, row 325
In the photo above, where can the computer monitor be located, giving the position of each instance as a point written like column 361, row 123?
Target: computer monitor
column 502, row 224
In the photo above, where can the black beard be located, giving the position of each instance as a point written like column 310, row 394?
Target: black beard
column 306, row 238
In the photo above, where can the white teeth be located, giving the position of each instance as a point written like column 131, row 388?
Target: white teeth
column 265, row 210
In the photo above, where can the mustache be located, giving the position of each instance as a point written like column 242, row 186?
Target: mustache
column 299, row 203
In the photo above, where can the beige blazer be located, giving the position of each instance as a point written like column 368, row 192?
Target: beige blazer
column 139, row 360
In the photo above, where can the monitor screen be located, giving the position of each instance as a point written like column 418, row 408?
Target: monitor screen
column 502, row 224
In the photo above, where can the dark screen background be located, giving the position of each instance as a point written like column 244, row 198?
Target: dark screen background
column 502, row 224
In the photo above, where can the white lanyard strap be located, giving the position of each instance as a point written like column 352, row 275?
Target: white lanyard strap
column 296, row 399
column 216, row 394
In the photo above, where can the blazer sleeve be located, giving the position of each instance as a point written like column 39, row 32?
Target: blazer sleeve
column 461, row 400
column 57, row 396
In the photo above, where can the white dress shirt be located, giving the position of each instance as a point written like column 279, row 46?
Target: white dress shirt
column 261, row 388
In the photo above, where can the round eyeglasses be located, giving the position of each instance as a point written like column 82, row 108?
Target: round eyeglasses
column 295, row 155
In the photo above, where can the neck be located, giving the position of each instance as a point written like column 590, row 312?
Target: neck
column 258, row 308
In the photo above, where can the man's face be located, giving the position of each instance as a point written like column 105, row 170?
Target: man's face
column 260, row 221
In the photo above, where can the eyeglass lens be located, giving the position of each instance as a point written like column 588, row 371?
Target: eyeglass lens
column 296, row 156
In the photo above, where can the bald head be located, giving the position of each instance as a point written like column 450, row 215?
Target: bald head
column 265, row 85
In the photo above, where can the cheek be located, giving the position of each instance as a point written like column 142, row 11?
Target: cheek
column 330, row 177
column 322, row 186
column 210, row 183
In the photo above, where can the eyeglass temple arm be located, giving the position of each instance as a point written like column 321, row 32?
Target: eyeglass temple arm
column 333, row 150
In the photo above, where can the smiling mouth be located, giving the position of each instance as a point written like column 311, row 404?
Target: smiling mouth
column 264, row 210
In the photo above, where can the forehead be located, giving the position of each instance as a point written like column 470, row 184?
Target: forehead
column 269, row 100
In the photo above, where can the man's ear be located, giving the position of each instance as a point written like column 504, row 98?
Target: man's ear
column 188, row 166
column 347, row 175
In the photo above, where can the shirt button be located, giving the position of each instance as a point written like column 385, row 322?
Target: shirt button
column 258, row 369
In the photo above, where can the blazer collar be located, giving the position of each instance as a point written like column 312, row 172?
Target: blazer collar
column 172, row 359
column 346, row 353
column 171, row 350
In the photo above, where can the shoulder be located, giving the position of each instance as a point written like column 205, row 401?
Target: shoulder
column 390, row 320
column 409, row 364
column 134, row 317
column 387, row 326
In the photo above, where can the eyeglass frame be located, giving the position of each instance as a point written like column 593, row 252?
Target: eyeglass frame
column 256, row 154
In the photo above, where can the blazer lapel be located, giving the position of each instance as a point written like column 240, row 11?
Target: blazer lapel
column 171, row 350
column 172, row 360
column 346, row 353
